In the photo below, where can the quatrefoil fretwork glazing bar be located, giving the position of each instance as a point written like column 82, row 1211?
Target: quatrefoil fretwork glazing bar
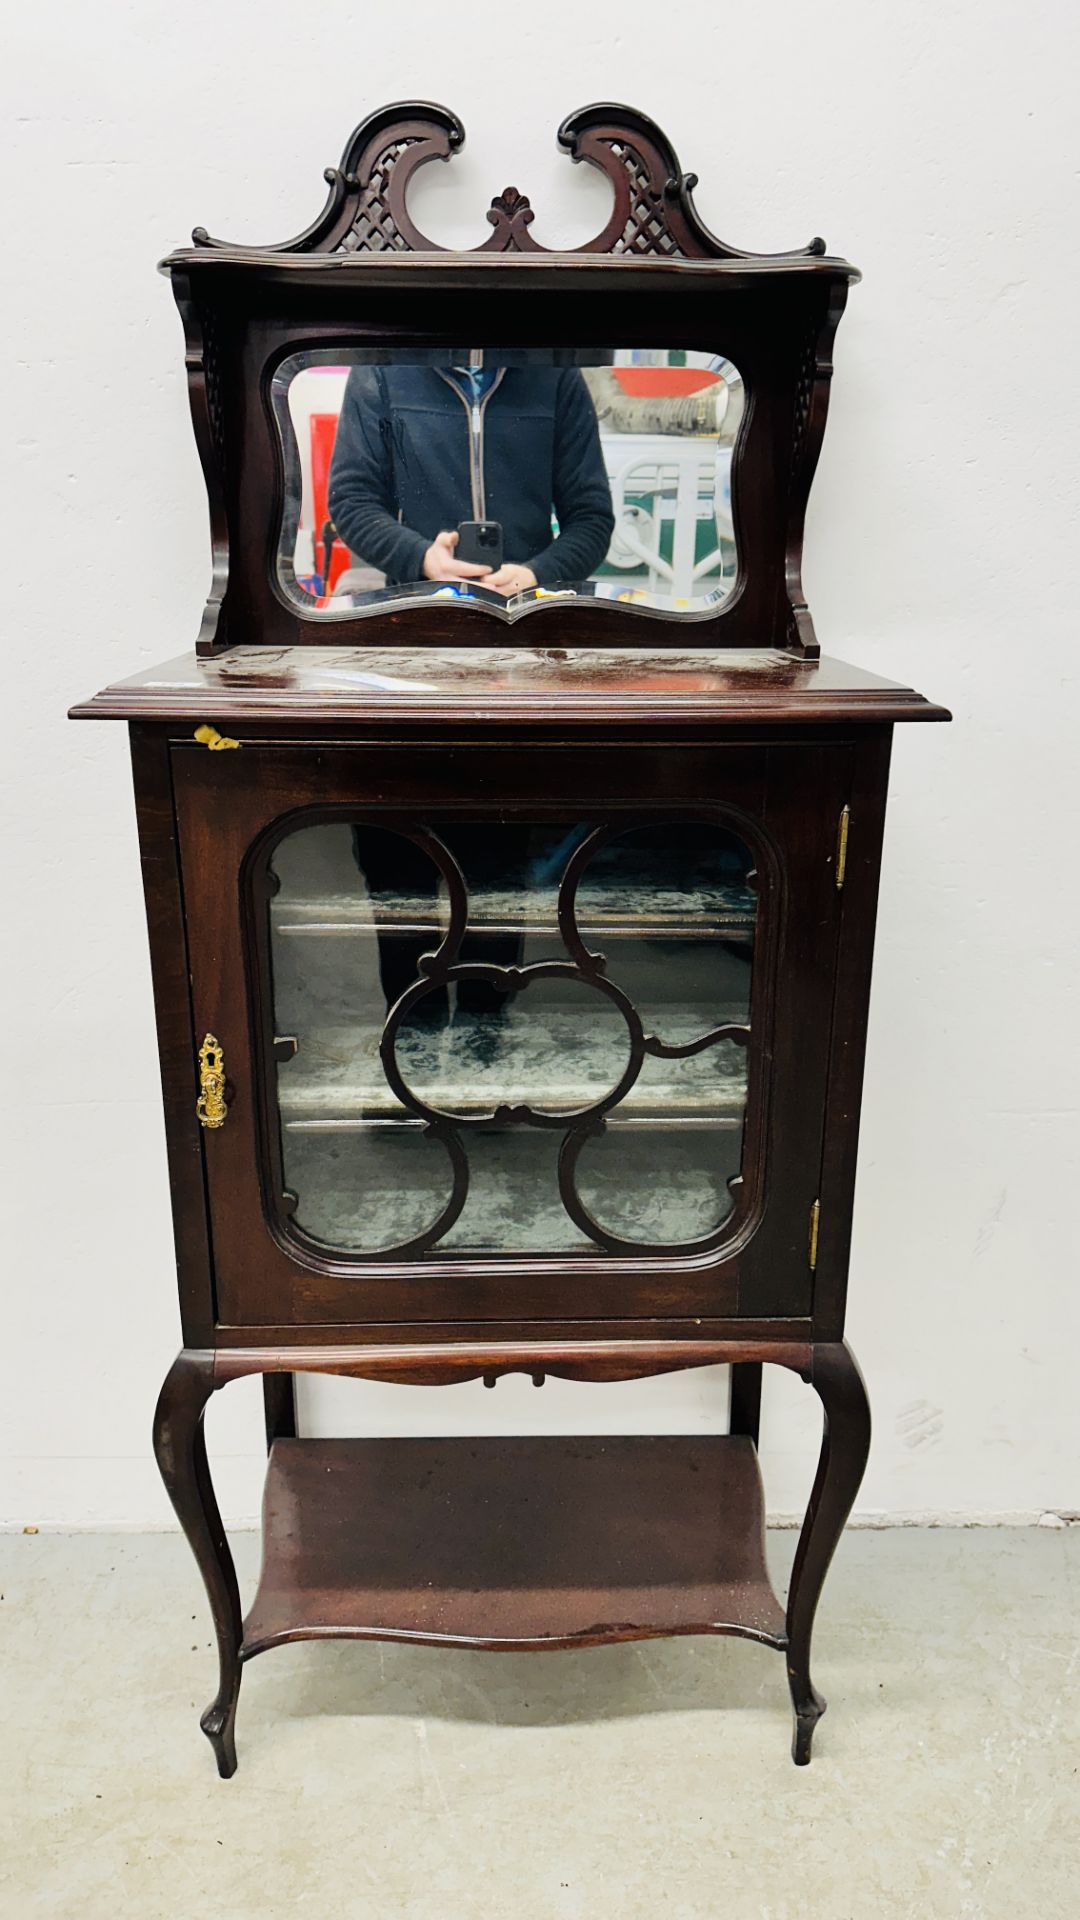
column 514, row 1037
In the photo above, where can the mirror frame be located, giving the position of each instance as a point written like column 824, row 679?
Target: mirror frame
column 362, row 275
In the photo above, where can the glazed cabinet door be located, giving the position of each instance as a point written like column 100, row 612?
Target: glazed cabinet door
column 505, row 1034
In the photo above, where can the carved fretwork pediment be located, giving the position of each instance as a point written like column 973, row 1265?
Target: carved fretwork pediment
column 653, row 214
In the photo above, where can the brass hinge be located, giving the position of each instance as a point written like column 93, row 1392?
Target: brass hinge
column 815, row 1222
column 217, row 742
column 841, row 846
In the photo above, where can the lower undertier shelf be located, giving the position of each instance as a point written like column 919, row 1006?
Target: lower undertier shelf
column 513, row 1543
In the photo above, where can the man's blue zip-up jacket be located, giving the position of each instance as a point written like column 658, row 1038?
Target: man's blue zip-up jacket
column 411, row 460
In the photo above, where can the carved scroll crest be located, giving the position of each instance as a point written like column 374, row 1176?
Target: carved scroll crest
column 653, row 214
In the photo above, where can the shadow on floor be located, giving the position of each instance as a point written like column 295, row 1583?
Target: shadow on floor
column 557, row 1689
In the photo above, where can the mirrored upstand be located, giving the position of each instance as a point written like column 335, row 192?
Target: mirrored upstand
column 511, row 916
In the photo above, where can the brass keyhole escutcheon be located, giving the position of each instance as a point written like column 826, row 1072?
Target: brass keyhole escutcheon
column 210, row 1105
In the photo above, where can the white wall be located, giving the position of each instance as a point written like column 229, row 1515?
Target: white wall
column 934, row 144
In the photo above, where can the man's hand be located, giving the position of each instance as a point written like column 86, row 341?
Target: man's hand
column 439, row 562
column 510, row 580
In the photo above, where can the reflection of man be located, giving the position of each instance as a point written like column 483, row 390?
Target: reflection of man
column 420, row 449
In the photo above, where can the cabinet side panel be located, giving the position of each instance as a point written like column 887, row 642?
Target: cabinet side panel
column 808, row 784
column 167, row 930
column 851, row 1008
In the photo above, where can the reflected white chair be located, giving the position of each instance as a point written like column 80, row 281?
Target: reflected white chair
column 661, row 479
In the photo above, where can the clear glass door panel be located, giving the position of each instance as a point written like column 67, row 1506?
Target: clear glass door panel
column 507, row 1037
column 369, row 1188
column 662, row 1188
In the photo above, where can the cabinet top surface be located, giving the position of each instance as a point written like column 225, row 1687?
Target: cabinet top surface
column 501, row 271
column 549, row 687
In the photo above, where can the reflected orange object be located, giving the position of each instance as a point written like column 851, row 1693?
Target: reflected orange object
column 323, row 434
column 663, row 383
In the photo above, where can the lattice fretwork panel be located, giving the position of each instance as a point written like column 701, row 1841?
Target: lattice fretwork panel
column 646, row 230
column 804, row 399
column 373, row 229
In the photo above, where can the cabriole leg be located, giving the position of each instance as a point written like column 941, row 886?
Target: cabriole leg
column 181, row 1456
column 845, row 1444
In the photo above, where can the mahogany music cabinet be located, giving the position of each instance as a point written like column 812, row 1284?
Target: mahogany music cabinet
column 511, row 858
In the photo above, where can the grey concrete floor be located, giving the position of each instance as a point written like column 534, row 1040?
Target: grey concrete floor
column 623, row 1782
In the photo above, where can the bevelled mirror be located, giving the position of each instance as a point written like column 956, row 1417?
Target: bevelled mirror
column 505, row 477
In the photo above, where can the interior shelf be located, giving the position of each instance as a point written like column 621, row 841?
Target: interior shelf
column 553, row 1060
column 629, row 913
column 513, row 1543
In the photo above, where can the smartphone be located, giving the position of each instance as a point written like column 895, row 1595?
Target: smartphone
column 480, row 543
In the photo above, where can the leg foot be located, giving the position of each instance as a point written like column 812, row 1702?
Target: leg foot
column 219, row 1725
column 807, row 1714
column 845, row 1444
column 181, row 1456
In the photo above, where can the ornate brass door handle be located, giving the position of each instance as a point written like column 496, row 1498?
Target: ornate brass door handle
column 210, row 1105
